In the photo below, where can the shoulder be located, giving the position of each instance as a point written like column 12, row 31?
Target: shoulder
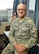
column 29, row 20
column 14, row 21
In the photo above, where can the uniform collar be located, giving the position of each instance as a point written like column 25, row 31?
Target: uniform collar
column 22, row 20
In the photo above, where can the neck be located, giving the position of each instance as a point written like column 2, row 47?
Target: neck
column 21, row 18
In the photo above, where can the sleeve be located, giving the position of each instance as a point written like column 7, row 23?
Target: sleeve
column 11, row 35
column 33, row 36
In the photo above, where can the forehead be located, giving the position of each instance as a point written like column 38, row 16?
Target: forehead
column 21, row 6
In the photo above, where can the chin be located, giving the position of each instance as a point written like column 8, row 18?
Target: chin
column 21, row 16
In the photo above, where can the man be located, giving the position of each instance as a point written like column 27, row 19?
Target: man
column 23, row 34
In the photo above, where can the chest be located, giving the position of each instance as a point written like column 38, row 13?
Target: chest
column 21, row 27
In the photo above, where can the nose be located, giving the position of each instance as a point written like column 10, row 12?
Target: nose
column 21, row 11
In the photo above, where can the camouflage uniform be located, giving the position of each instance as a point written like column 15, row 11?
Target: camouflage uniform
column 21, row 32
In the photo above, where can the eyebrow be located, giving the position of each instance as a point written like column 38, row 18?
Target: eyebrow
column 21, row 9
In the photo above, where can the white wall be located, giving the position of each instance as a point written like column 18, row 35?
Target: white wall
column 32, row 4
column 6, row 4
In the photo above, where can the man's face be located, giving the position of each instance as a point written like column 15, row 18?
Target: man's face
column 21, row 11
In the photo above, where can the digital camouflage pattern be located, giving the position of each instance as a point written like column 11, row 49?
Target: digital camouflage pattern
column 21, row 32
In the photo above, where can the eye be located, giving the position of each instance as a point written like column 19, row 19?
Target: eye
column 21, row 9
